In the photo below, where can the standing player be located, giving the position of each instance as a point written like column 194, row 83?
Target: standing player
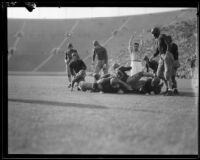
column 165, row 66
column 68, row 57
column 174, row 50
column 135, row 57
column 102, row 58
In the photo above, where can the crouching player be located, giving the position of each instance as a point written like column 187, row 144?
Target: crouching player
column 150, row 64
column 106, row 84
column 141, row 82
column 77, row 69
column 143, row 86
column 122, row 83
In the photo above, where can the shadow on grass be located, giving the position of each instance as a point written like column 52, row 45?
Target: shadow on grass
column 92, row 106
column 181, row 94
column 78, row 105
column 53, row 103
column 187, row 94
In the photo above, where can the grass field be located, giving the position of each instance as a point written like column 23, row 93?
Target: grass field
column 45, row 117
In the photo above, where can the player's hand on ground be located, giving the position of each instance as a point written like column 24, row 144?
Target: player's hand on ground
column 104, row 66
column 69, row 85
column 129, row 88
column 120, row 91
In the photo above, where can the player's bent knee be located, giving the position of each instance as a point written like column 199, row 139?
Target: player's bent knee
column 114, row 81
column 167, row 76
column 160, row 75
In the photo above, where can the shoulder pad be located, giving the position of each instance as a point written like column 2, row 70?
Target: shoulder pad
column 162, row 36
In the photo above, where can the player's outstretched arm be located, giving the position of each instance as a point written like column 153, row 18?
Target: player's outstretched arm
column 147, row 74
column 125, row 85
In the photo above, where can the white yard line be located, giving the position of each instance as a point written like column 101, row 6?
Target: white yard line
column 71, row 32
column 17, row 40
column 43, row 63
column 51, row 53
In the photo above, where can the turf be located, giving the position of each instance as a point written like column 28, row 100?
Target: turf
column 45, row 117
